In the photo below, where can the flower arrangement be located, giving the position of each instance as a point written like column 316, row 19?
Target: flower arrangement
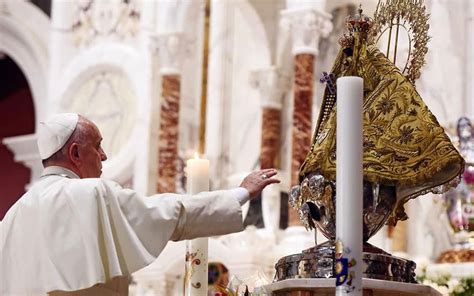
column 448, row 286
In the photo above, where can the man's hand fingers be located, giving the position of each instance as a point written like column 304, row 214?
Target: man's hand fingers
column 256, row 181
column 271, row 181
column 270, row 173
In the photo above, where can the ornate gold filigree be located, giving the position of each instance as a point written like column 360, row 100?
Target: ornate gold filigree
column 412, row 16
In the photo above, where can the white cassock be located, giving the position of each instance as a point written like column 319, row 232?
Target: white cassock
column 67, row 234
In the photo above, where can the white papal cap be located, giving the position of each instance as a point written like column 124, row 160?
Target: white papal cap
column 54, row 133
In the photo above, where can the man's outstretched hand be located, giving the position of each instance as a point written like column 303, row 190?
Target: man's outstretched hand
column 256, row 181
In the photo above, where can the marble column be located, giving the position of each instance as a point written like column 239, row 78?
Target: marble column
column 219, row 87
column 270, row 145
column 168, row 137
column 272, row 85
column 306, row 26
column 170, row 49
column 302, row 111
column 61, row 48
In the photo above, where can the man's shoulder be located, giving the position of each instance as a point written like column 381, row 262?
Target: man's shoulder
column 91, row 184
column 73, row 187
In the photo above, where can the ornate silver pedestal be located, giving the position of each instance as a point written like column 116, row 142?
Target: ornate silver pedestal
column 318, row 262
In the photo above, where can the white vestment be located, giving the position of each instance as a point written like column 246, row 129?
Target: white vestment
column 69, row 234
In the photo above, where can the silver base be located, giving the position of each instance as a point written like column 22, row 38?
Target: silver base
column 318, row 262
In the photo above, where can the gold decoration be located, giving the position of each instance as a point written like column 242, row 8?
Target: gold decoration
column 456, row 256
column 412, row 16
column 404, row 146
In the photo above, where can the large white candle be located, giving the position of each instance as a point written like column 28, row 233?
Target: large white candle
column 349, row 181
column 196, row 273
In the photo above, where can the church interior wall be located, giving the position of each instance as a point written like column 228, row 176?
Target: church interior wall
column 448, row 53
column 245, row 116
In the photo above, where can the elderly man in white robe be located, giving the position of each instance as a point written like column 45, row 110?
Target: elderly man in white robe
column 73, row 233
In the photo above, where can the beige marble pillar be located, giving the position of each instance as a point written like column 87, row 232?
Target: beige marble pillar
column 170, row 49
column 302, row 111
column 270, row 145
column 306, row 26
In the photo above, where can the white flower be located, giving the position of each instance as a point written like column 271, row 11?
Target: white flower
column 453, row 284
column 442, row 289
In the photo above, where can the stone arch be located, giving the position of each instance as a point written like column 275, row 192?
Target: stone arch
column 17, row 118
column 24, row 31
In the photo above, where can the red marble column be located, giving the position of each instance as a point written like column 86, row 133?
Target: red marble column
column 169, row 130
column 270, row 145
column 302, row 116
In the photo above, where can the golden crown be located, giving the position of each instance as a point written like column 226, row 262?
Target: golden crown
column 359, row 22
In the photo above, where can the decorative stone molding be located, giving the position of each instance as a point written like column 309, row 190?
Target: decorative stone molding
column 26, row 151
column 272, row 84
column 171, row 48
column 306, row 27
column 95, row 20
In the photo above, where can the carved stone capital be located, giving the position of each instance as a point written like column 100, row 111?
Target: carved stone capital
column 26, row 152
column 305, row 26
column 272, row 84
column 171, row 49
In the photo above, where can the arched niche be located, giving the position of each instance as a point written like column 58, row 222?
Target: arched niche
column 17, row 119
column 24, row 35
column 110, row 85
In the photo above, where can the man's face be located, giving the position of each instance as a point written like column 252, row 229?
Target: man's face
column 91, row 153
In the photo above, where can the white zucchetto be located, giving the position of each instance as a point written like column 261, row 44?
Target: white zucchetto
column 54, row 133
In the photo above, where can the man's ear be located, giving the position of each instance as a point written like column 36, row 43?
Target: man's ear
column 73, row 152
